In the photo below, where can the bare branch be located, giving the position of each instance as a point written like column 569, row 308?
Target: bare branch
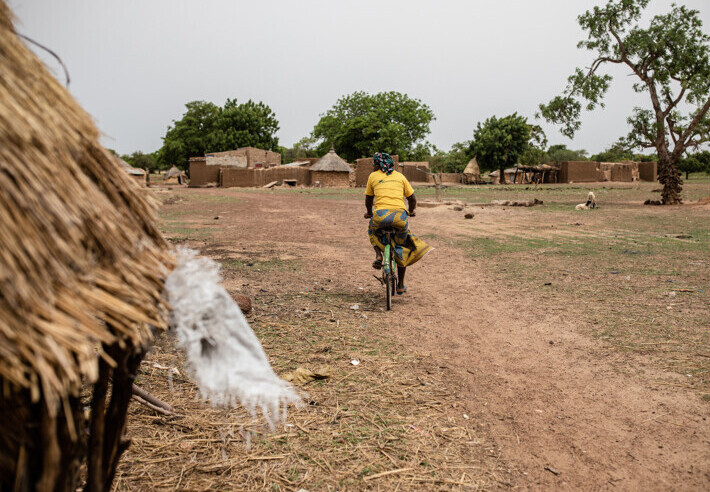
column 695, row 121
column 672, row 103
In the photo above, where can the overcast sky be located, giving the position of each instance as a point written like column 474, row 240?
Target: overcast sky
column 134, row 64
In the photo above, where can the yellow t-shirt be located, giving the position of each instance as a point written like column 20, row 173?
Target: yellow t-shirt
column 389, row 191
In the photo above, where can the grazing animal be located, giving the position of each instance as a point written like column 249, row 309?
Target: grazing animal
column 591, row 203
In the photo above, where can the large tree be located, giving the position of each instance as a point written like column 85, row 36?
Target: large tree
column 206, row 127
column 500, row 142
column 670, row 60
column 361, row 124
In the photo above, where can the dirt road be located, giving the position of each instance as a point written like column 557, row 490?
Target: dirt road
column 566, row 411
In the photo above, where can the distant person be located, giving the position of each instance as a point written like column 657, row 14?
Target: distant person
column 387, row 189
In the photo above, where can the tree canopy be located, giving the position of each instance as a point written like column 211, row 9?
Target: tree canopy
column 500, row 142
column 206, row 127
column 670, row 60
column 698, row 162
column 360, row 124
column 143, row 161
column 453, row 161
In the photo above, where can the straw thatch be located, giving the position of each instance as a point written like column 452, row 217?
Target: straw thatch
column 130, row 169
column 82, row 262
column 331, row 162
column 472, row 168
column 173, row 172
column 174, row 175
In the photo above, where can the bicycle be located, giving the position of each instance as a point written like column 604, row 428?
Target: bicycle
column 389, row 265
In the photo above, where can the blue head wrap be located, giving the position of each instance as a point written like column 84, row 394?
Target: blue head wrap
column 382, row 161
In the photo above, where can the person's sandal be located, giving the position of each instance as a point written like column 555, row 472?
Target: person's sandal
column 400, row 292
column 377, row 264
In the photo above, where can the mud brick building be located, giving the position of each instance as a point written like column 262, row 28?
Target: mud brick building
column 590, row 171
column 206, row 170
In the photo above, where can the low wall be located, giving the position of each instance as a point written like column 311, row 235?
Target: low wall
column 246, row 178
column 201, row 174
column 648, row 171
column 451, row 178
column 414, row 173
column 623, row 173
column 578, row 172
column 331, row 179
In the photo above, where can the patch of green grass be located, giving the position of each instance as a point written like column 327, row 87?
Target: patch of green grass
column 179, row 233
column 270, row 265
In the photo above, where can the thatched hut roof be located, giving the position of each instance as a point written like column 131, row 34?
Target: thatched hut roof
column 130, row 169
column 331, row 162
column 472, row 168
column 173, row 172
column 82, row 260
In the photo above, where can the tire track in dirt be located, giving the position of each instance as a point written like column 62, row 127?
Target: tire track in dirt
column 571, row 406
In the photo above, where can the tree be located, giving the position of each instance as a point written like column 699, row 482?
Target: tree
column 142, row 161
column 361, row 124
column 560, row 153
column 695, row 163
column 206, row 127
column 615, row 153
column 670, row 60
column 453, row 161
column 499, row 142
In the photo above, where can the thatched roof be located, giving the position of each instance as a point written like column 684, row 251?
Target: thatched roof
column 82, row 260
column 130, row 169
column 472, row 168
column 173, row 172
column 331, row 162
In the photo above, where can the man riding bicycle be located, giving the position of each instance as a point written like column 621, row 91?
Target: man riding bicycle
column 386, row 190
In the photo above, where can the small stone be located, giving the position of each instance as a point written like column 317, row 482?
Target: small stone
column 468, row 216
column 243, row 302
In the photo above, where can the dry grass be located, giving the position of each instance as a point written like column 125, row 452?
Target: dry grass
column 391, row 422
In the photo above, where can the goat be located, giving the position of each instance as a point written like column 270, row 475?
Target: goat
column 591, row 203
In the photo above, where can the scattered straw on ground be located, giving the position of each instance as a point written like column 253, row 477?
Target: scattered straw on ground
column 389, row 422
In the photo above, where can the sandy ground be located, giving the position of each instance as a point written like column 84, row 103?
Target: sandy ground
column 564, row 409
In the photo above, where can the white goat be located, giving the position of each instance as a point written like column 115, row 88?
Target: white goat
column 591, row 203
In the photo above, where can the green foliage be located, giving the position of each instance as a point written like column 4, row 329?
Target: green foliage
column 534, row 156
column 560, row 153
column 615, row 153
column 206, row 127
column 695, row 163
column 670, row 60
column 499, row 142
column 361, row 124
column 142, row 161
column 454, row 161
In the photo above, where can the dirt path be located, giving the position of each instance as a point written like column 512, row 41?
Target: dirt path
column 565, row 411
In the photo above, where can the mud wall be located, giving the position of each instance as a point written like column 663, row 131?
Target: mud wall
column 246, row 178
column 331, row 179
column 451, row 178
column 247, row 157
column 414, row 173
column 648, row 171
column 578, row 172
column 201, row 174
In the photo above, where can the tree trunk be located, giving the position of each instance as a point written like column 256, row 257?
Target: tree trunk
column 670, row 178
column 502, row 176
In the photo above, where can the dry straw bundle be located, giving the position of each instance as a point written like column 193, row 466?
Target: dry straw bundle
column 82, row 266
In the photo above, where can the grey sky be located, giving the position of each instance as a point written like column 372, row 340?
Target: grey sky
column 134, row 64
